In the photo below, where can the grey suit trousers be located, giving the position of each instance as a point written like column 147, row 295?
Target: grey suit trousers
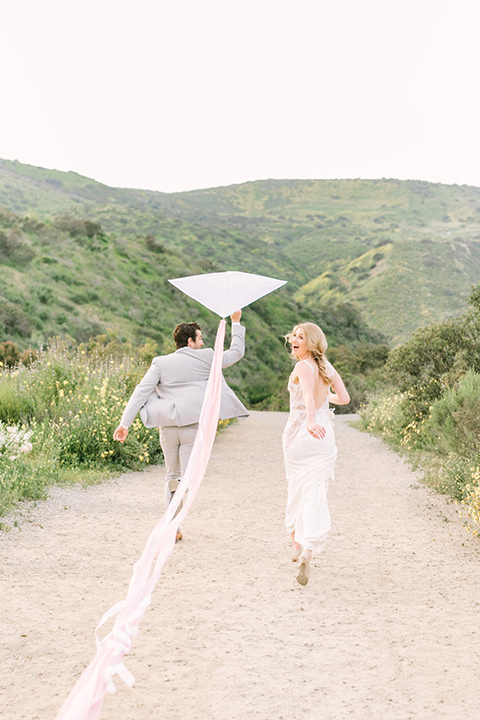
column 177, row 444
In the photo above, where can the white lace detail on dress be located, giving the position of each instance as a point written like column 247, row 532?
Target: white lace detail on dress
column 297, row 413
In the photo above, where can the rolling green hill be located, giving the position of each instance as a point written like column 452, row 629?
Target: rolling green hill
column 405, row 253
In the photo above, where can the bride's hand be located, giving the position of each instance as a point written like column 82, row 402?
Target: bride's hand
column 317, row 431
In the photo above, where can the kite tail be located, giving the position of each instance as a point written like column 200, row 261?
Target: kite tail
column 85, row 700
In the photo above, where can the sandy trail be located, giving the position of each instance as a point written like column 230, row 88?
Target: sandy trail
column 386, row 629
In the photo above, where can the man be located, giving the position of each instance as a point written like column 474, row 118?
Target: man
column 170, row 396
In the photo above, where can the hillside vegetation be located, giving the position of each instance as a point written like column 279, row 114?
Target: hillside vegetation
column 68, row 278
column 427, row 403
column 88, row 265
column 405, row 253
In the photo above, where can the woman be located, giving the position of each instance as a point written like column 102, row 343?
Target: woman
column 309, row 443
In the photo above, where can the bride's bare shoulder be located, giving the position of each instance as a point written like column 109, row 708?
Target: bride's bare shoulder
column 301, row 369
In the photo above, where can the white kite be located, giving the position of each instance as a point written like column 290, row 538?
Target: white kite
column 223, row 293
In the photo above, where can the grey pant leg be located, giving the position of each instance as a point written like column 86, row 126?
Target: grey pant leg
column 187, row 436
column 171, row 455
column 177, row 444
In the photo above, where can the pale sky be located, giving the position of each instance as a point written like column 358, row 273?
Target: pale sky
column 190, row 94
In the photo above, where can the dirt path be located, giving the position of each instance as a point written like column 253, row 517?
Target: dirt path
column 386, row 629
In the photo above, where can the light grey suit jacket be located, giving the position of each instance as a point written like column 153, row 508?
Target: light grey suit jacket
column 171, row 392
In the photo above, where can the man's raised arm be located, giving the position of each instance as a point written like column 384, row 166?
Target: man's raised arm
column 237, row 345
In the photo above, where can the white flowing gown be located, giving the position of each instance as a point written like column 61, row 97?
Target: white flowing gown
column 309, row 466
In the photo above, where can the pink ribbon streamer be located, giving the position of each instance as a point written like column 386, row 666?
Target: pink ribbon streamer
column 86, row 698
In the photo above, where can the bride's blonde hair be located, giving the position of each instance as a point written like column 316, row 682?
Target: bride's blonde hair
column 316, row 343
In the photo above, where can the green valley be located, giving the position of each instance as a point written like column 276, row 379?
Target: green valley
column 369, row 260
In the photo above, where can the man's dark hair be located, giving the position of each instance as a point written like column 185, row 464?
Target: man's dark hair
column 183, row 331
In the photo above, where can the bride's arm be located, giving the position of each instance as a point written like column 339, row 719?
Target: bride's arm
column 340, row 395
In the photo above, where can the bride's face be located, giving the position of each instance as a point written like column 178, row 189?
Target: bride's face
column 298, row 343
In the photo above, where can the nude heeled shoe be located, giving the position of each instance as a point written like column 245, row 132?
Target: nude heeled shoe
column 296, row 552
column 303, row 574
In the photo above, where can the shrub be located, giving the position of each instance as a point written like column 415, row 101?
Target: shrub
column 25, row 479
column 427, row 366
column 9, row 354
column 420, row 366
column 28, row 356
column 474, row 298
column 14, row 441
column 449, row 474
column 108, row 345
column 85, row 419
column 435, row 396
column 454, row 423
column 15, row 405
column 8, row 219
column 21, row 476
column 154, row 245
column 359, row 366
column 13, row 321
column 471, row 498
column 383, row 415
column 79, row 228
column 14, row 248
column 80, row 395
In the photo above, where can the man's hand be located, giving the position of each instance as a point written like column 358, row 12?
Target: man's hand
column 235, row 317
column 120, row 434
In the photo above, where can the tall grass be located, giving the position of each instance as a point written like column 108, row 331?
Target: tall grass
column 69, row 402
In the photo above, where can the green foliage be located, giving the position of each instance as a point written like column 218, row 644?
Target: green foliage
column 72, row 399
column 450, row 474
column 21, row 477
column 358, row 365
column 15, row 405
column 91, row 263
column 13, row 247
column 474, row 298
column 80, row 228
column 67, row 297
column 404, row 252
column 154, row 244
column 422, row 365
column 431, row 362
column 343, row 324
column 471, row 497
column 9, row 355
column 26, row 478
column 434, row 388
column 454, row 422
column 80, row 396
column 357, row 254
column 109, row 345
column 383, row 415
column 14, row 322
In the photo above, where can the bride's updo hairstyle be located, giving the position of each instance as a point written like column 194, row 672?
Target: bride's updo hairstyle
column 316, row 343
